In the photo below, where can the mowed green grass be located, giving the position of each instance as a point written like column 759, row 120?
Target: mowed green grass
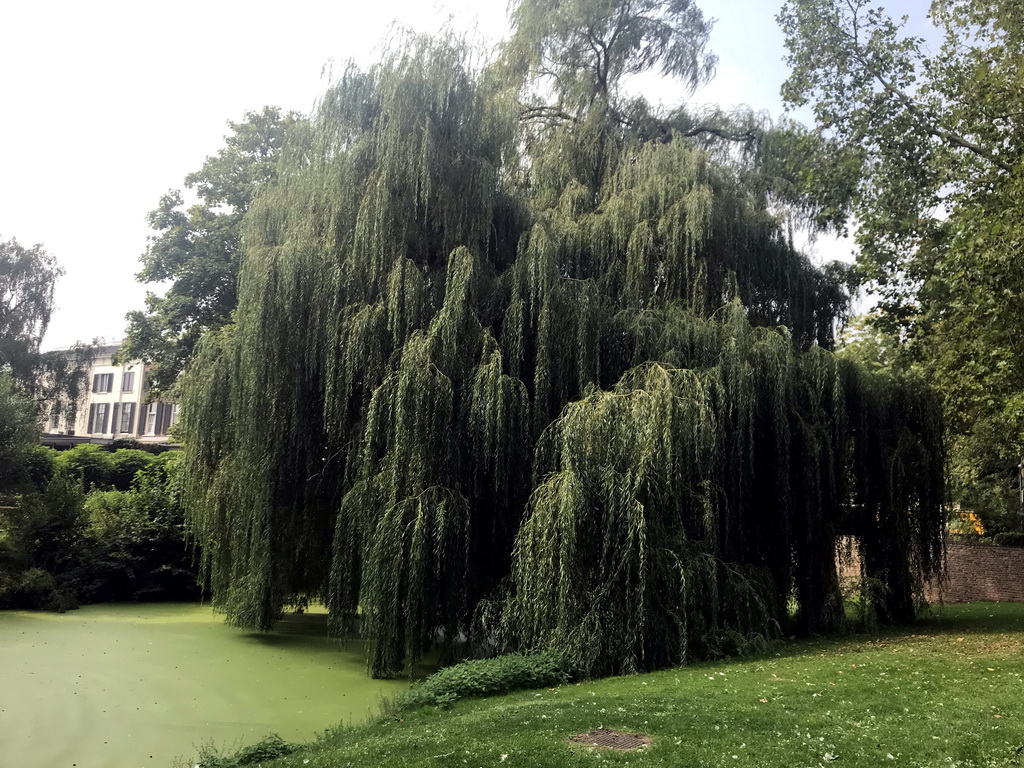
column 948, row 691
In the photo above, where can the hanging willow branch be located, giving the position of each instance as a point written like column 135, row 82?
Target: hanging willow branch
column 575, row 375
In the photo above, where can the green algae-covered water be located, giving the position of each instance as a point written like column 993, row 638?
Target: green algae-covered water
column 135, row 686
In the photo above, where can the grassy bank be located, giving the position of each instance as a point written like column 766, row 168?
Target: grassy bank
column 948, row 691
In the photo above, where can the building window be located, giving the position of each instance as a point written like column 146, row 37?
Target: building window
column 99, row 413
column 174, row 416
column 124, row 425
column 103, row 382
column 54, row 421
column 151, row 418
column 128, row 381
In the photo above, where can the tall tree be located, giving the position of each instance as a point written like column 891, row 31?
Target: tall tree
column 19, row 432
column 582, row 51
column 938, row 147
column 27, row 278
column 197, row 248
column 53, row 381
column 527, row 383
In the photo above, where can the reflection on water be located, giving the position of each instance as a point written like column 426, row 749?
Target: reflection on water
column 134, row 686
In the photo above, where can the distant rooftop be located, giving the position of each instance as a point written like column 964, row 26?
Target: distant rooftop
column 101, row 349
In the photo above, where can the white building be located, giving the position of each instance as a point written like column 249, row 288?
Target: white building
column 114, row 407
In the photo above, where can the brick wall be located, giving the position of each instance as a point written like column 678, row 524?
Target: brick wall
column 980, row 572
column 973, row 572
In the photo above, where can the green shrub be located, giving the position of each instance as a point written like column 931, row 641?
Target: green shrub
column 1009, row 539
column 32, row 589
column 45, row 529
column 163, row 471
column 136, row 546
column 36, row 590
column 114, row 515
column 42, row 542
column 154, row 449
column 487, row 677
column 59, row 547
column 126, row 443
column 90, row 464
column 125, row 464
column 41, row 464
column 271, row 747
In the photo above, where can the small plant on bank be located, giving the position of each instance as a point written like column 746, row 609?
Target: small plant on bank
column 487, row 677
column 268, row 748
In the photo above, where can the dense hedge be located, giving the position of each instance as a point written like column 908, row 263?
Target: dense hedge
column 94, row 526
column 1009, row 539
column 487, row 677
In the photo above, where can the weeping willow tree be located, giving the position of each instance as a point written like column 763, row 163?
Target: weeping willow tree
column 515, row 373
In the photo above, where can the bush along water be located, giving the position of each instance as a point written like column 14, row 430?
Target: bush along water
column 95, row 526
column 488, row 677
column 269, row 748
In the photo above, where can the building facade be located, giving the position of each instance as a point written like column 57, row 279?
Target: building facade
column 115, row 407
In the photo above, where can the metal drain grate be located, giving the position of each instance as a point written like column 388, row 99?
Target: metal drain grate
column 605, row 737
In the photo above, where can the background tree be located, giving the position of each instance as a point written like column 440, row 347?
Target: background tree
column 581, row 52
column 571, row 61
column 27, row 278
column 937, row 205
column 542, row 383
column 54, row 380
column 196, row 248
column 18, row 433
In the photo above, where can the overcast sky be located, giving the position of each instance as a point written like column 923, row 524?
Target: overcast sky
column 107, row 105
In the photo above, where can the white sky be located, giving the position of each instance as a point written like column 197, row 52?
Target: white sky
column 107, row 105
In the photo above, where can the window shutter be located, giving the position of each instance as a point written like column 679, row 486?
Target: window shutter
column 115, row 425
column 106, row 416
column 95, row 383
column 165, row 423
column 140, row 423
column 92, row 418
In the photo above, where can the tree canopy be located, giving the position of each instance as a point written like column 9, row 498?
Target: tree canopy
column 52, row 381
column 18, row 434
column 581, row 51
column 934, row 136
column 197, row 248
column 546, row 383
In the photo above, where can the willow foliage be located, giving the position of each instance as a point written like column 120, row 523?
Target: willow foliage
column 529, row 387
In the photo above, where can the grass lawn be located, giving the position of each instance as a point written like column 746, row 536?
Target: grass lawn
column 948, row 691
